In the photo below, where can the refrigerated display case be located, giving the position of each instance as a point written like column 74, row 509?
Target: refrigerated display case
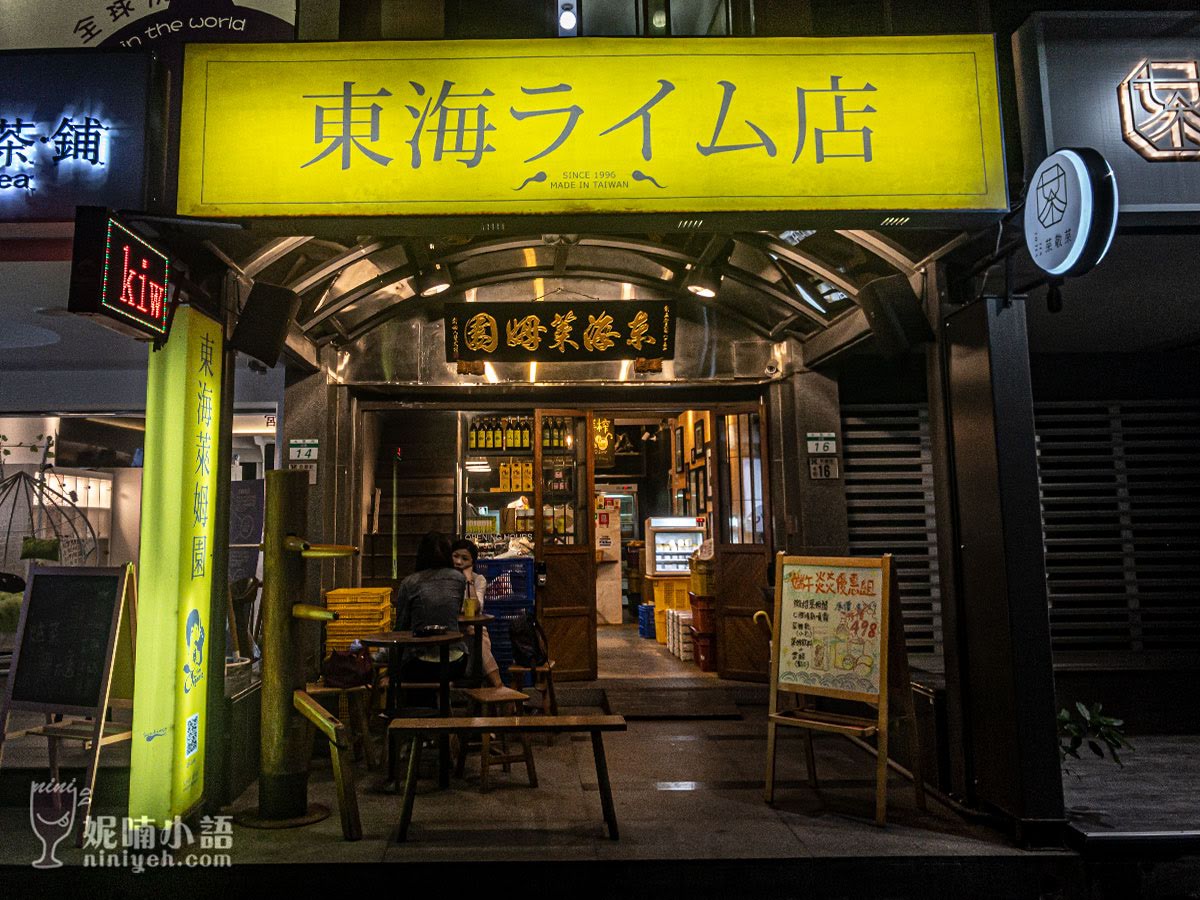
column 670, row 541
column 626, row 494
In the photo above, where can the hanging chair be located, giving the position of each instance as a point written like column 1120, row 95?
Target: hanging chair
column 40, row 522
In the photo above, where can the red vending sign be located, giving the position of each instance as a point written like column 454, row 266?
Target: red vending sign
column 118, row 276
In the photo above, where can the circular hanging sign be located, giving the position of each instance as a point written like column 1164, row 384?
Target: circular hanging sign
column 1070, row 211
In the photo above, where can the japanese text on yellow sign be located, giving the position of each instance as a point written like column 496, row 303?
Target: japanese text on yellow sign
column 592, row 125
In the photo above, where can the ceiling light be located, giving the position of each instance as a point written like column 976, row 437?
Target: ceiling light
column 794, row 236
column 703, row 283
column 432, row 280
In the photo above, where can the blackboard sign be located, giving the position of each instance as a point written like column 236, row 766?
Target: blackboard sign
column 66, row 639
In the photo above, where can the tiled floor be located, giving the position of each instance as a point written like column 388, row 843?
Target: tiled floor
column 620, row 653
column 681, row 790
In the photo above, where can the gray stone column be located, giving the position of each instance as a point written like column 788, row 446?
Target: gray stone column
column 808, row 516
column 316, row 408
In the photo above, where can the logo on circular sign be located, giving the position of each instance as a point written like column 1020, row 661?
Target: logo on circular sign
column 1070, row 211
column 1051, row 196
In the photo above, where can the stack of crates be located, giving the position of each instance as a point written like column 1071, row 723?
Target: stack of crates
column 704, row 626
column 679, row 634
column 509, row 595
column 361, row 611
column 667, row 593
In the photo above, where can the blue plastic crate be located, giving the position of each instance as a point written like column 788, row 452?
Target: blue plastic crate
column 646, row 620
column 507, row 578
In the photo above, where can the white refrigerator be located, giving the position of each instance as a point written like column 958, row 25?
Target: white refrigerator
column 670, row 541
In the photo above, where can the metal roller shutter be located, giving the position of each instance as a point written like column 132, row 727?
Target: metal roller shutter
column 889, row 499
column 1120, row 492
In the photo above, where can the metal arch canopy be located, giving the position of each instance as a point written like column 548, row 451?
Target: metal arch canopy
column 774, row 286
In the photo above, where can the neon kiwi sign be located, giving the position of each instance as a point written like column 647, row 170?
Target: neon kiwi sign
column 119, row 277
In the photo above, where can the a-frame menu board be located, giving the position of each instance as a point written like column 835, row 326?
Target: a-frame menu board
column 76, row 628
column 836, row 633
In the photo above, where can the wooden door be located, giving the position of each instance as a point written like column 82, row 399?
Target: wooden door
column 742, row 548
column 566, row 603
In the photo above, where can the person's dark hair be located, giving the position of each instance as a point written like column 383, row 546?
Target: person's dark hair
column 469, row 546
column 434, row 552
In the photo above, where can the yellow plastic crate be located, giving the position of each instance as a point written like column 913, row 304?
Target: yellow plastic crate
column 358, row 597
column 703, row 578
column 669, row 593
column 660, row 625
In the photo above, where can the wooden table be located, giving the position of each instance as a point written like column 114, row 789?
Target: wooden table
column 474, row 674
column 394, row 641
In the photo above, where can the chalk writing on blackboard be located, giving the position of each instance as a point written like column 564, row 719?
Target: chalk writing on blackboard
column 63, row 657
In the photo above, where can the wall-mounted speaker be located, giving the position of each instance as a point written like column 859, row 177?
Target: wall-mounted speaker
column 895, row 315
column 263, row 325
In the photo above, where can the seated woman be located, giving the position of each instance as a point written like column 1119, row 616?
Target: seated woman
column 431, row 596
column 464, row 553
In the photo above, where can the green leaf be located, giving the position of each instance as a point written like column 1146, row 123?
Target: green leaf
column 1083, row 711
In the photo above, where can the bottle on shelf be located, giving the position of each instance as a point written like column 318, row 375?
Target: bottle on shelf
column 525, row 442
column 472, row 434
column 508, row 433
column 545, row 434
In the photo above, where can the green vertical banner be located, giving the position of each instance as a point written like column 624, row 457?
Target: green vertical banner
column 179, row 489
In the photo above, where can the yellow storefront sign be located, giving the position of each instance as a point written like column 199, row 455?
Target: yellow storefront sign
column 591, row 125
column 179, row 489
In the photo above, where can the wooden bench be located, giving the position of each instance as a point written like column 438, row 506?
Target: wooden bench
column 416, row 729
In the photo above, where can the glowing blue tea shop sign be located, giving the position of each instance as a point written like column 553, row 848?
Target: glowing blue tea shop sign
column 1070, row 212
column 72, row 132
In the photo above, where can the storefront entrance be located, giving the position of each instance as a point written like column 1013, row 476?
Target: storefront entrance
column 603, row 506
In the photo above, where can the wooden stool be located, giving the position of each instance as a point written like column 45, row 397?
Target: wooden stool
column 491, row 702
column 543, row 681
column 352, row 708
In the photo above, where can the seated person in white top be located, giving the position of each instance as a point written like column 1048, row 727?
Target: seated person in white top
column 463, row 554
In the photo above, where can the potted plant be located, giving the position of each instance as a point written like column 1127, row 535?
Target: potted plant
column 1089, row 726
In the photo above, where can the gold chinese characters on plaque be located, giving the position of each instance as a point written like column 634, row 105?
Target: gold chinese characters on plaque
column 590, row 330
